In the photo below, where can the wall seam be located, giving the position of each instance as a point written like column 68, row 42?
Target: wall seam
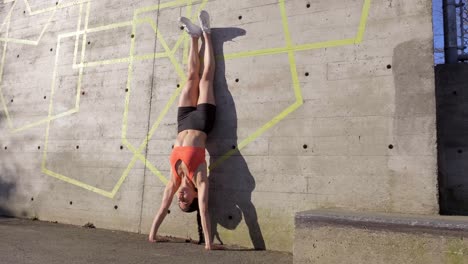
column 149, row 121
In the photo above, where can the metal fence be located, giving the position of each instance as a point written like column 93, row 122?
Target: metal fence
column 463, row 26
column 455, row 30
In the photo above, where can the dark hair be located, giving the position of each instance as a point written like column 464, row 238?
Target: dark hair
column 192, row 207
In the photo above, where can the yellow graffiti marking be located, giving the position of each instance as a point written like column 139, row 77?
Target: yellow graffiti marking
column 290, row 49
column 7, row 40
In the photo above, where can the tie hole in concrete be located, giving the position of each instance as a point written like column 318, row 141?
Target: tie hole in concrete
column 389, row 66
column 240, row 17
column 116, row 207
column 308, row 5
column 390, row 146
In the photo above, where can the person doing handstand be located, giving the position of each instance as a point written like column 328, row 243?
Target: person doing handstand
column 195, row 119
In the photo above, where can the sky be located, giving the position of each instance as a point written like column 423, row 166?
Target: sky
column 438, row 24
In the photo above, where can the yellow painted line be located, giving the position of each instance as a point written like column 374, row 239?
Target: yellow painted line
column 43, row 121
column 257, row 133
column 44, row 160
column 77, row 36
column 30, row 13
column 46, row 25
column 160, row 6
column 290, row 49
column 129, row 79
column 291, row 54
column 20, row 41
column 83, row 52
column 126, row 172
column 53, row 8
column 5, row 108
column 363, row 23
column 287, row 111
column 118, row 60
column 78, row 183
column 148, row 164
column 121, row 60
column 8, row 17
column 178, row 42
column 284, row 19
column 151, row 56
column 137, row 153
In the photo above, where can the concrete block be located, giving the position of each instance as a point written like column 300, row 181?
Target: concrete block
column 357, row 237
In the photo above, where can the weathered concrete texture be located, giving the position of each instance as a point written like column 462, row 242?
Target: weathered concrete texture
column 89, row 112
column 344, row 237
column 25, row 241
column 452, row 137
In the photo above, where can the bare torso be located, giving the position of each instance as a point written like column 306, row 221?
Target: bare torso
column 193, row 138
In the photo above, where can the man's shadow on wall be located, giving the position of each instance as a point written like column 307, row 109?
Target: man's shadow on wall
column 231, row 183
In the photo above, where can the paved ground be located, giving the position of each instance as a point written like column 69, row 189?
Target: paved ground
column 27, row 241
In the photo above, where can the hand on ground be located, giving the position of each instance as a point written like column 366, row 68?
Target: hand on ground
column 215, row 247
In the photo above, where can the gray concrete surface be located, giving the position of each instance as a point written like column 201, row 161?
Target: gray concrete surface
column 452, row 101
column 26, row 241
column 363, row 237
column 321, row 104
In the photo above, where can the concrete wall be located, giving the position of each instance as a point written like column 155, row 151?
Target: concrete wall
column 331, row 104
column 363, row 238
column 452, row 99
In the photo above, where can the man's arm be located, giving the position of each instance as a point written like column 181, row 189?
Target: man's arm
column 169, row 191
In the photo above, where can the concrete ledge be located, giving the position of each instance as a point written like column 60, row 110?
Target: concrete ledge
column 390, row 222
column 326, row 236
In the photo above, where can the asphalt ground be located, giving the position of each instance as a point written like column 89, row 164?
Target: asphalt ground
column 28, row 241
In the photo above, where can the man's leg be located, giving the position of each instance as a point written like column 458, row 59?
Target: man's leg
column 189, row 94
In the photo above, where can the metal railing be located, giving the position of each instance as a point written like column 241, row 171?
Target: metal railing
column 455, row 30
column 463, row 28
